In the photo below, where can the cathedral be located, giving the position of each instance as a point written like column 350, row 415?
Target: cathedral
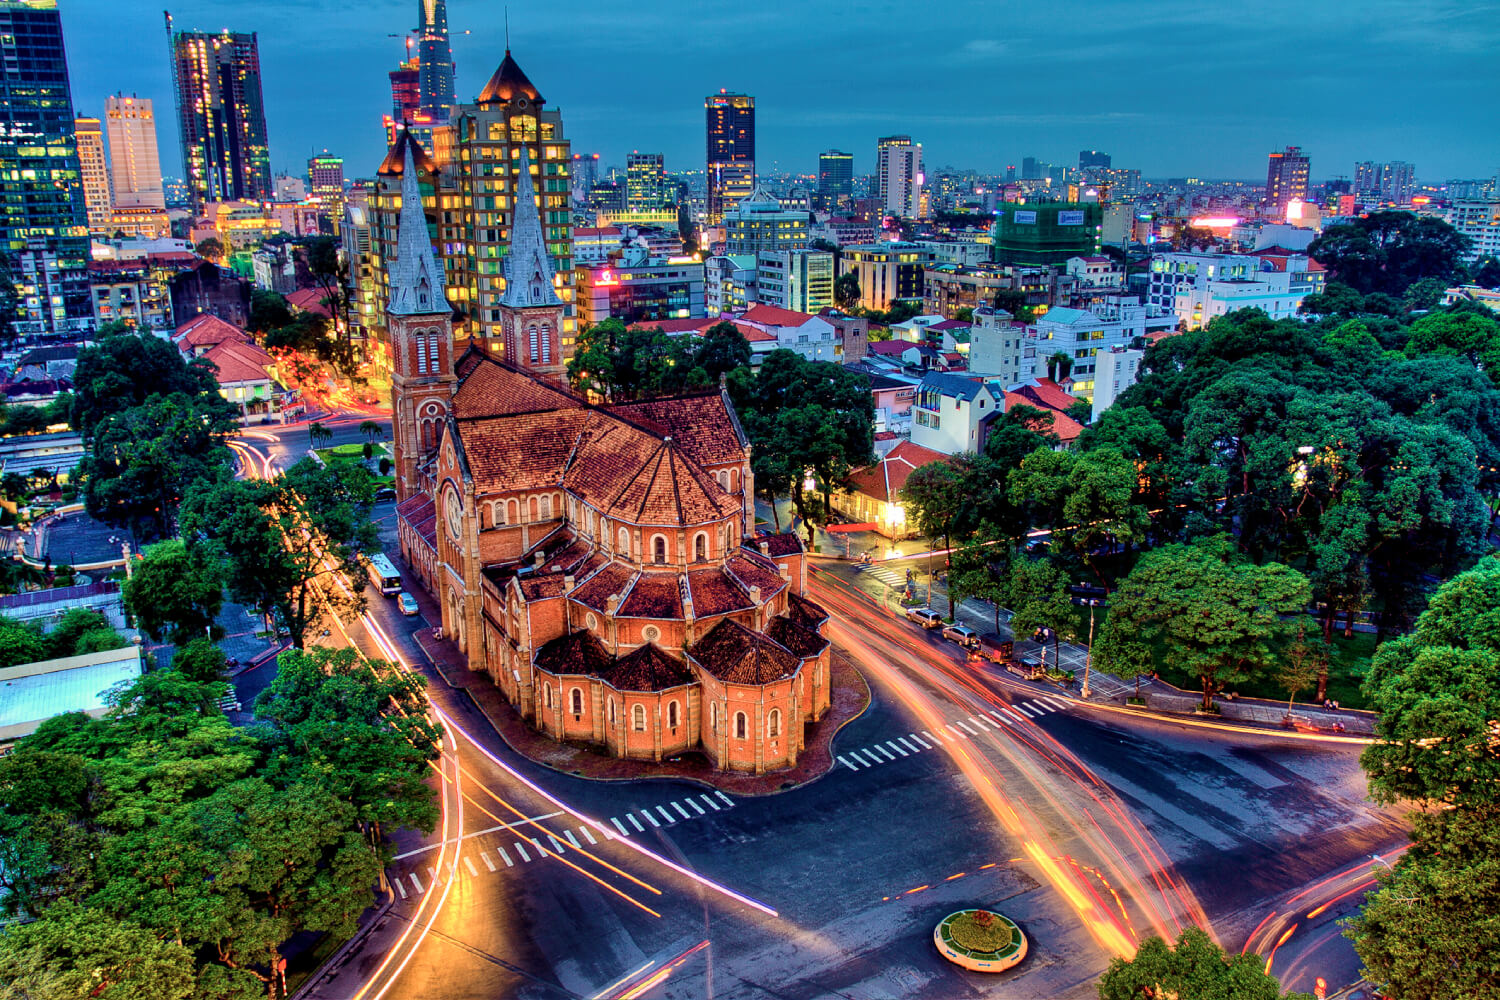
column 598, row 562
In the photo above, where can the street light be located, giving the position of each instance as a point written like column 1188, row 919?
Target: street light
column 1088, row 652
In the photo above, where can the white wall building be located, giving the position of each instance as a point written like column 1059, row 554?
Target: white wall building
column 810, row 336
column 1096, row 272
column 134, row 161
column 1084, row 334
column 1172, row 271
column 999, row 347
column 898, row 167
column 1480, row 222
column 947, row 411
column 800, row 280
column 728, row 283
column 1115, row 370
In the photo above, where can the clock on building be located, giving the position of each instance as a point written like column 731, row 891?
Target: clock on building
column 454, row 511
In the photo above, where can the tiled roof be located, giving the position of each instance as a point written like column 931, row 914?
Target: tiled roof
column 754, row 571
column 885, row 479
column 574, row 653
column 805, row 613
column 238, row 362
column 1065, row 427
column 893, row 348
column 595, row 592
column 309, row 300
column 207, row 330
column 56, row 595
column 736, row 655
column 715, row 593
column 647, row 669
column 541, row 587
column 655, row 595
column 421, row 513
column 797, row 640
column 507, row 82
column 394, row 163
column 1047, row 393
column 489, row 389
column 953, row 385
column 705, row 425
column 775, row 316
column 673, row 325
column 522, row 452
column 784, row 544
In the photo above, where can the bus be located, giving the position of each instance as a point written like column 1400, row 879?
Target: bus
column 383, row 574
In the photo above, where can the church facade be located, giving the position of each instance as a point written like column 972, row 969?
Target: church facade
column 597, row 562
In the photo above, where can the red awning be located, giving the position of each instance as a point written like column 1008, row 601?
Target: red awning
column 834, row 529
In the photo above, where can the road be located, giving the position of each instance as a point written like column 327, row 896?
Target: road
column 959, row 786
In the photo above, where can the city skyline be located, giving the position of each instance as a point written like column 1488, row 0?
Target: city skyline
column 1420, row 76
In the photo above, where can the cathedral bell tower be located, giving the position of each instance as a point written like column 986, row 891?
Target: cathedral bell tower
column 531, row 314
column 419, row 321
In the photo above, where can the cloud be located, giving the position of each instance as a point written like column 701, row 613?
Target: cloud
column 979, row 50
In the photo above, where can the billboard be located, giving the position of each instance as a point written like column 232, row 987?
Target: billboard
column 1074, row 218
column 1025, row 218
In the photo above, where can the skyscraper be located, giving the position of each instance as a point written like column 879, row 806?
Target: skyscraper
column 94, row 172
column 1390, row 182
column 434, row 58
column 645, row 182
column 325, row 175
column 898, row 167
column 134, row 163
column 406, row 91
column 731, row 150
column 835, row 179
column 1092, row 159
column 1286, row 179
column 44, row 228
column 220, row 115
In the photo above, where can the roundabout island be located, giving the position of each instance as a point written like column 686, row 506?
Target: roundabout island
column 980, row 940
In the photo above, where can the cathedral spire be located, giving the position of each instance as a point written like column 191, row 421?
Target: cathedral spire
column 528, row 264
column 416, row 279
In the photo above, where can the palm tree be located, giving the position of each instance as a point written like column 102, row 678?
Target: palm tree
column 1059, row 366
column 371, row 430
column 318, row 434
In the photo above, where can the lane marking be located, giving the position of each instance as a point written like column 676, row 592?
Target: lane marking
column 727, row 800
column 867, row 763
column 971, row 732
column 852, row 767
column 999, row 716
column 902, row 740
column 685, row 813
column 401, row 888
column 587, row 836
column 572, row 839
column 635, row 823
column 1041, row 706
column 485, row 857
column 555, row 843
column 885, row 755
column 696, row 807
column 1064, row 703
column 920, row 740
column 649, row 818
column 623, row 832
column 1022, row 710
column 477, row 833
column 417, row 883
column 956, row 732
column 894, row 747
column 931, row 737
column 670, row 818
column 506, row 858
column 469, row 863
column 521, row 850
column 712, row 804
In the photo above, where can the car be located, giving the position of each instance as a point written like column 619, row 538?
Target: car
column 996, row 649
column 925, row 617
column 407, row 603
column 963, row 635
column 385, row 493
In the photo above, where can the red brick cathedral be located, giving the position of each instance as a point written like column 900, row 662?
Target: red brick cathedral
column 598, row 562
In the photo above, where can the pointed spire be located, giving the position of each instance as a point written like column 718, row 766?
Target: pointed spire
column 416, row 280
column 528, row 264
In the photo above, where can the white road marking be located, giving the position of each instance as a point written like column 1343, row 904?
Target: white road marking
column 506, row 858
column 1015, row 717
column 477, row 833
column 416, row 883
column 636, row 823
column 521, row 850
column 999, row 716
column 572, row 839
column 885, row 755
column 469, row 863
column 589, row 836
column 401, row 888
column 541, row 851
column 485, row 857
column 1061, row 702
column 556, row 843
column 669, row 816
column 727, row 800
column 971, row 732
column 712, row 804
column 685, row 813
column 920, row 740
column 623, row 832
column 696, row 807
column 852, row 767
column 867, row 763
column 956, row 732
column 1022, row 710
column 1041, row 706
column 902, row 740
column 649, row 818
column 931, row 737
column 894, row 747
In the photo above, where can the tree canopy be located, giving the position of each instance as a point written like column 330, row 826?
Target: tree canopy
column 621, row 363
column 1389, row 251
column 1194, row 968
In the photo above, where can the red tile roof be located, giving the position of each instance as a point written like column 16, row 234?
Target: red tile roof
column 647, row 669
column 421, row 513
column 575, row 653
column 1065, row 427
column 490, row 389
column 751, row 569
column 890, row 348
column 885, row 479
column 704, row 425
column 207, row 330
column 613, row 578
column 775, row 316
column 674, row 325
column 655, row 595
column 238, row 362
column 736, row 655
column 797, row 640
column 715, row 593
column 309, row 300
column 783, row 544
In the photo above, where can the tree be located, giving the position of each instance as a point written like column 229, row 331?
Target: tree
column 76, row 951
column 210, row 249
column 21, row 642
column 121, row 371
column 934, row 499
column 1306, row 664
column 1425, row 293
column 1389, row 251
column 1039, row 599
column 82, row 630
column 846, row 292
column 268, row 311
column 142, row 460
column 721, row 350
column 1059, row 365
column 981, row 568
column 175, row 593
column 1087, row 499
column 330, row 272
column 200, row 661
column 286, row 540
column 1195, row 968
column 1215, row 616
column 318, row 434
column 371, row 430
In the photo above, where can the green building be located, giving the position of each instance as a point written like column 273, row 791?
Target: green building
column 1047, row 233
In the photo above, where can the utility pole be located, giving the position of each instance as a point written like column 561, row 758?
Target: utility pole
column 1088, row 653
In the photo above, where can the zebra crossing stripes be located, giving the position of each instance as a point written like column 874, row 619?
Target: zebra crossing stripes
column 951, row 732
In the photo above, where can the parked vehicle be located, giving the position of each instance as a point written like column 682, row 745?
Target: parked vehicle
column 925, row 617
column 385, row 493
column 408, row 603
column 961, row 634
column 996, row 649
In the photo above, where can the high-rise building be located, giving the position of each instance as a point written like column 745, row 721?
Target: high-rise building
column 434, row 59
column 1032, row 169
column 1046, row 233
column 406, row 91
column 645, row 182
column 325, row 177
column 221, row 116
column 731, row 150
column 45, row 226
column 835, row 180
column 759, row 223
column 1390, row 182
column 94, row 172
column 898, row 165
column 1092, row 159
column 134, row 163
column 1286, row 179
column 800, row 280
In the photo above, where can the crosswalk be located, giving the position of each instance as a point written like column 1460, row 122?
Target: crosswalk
column 889, row 577
column 996, row 720
column 521, row 847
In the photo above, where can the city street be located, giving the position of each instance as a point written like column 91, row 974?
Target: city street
column 960, row 785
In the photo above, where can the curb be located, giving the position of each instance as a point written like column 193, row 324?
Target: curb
column 335, row 961
column 1183, row 720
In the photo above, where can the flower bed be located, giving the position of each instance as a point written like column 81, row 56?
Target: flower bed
column 980, row 940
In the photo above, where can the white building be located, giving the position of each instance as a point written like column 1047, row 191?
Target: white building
column 898, row 166
column 1480, row 222
column 1172, row 271
column 1096, row 272
column 999, row 347
column 1199, row 304
column 134, row 162
column 813, row 337
column 948, row 409
column 1084, row 334
column 1115, row 370
column 800, row 280
column 964, row 253
column 728, row 283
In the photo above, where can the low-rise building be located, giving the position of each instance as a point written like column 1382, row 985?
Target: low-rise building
column 1115, row 370
column 248, row 376
column 813, row 337
column 1096, row 272
column 947, row 411
column 593, row 244
column 1081, row 334
column 872, row 495
column 760, row 223
column 647, row 289
column 35, row 692
column 728, row 283
column 999, row 347
column 1487, row 297
column 887, row 272
column 853, row 333
column 131, row 291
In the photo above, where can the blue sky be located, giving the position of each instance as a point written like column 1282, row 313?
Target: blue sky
column 1170, row 88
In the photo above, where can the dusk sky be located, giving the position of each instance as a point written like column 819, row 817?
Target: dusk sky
column 1173, row 89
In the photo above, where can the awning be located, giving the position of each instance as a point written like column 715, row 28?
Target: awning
column 834, row 529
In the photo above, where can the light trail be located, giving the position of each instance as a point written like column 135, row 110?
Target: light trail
column 657, row 978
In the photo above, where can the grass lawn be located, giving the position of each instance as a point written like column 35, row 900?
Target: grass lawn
column 1346, row 672
column 354, row 452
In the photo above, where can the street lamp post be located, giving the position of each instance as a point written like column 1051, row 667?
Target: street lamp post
column 1088, row 653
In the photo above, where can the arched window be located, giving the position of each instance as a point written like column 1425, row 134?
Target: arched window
column 741, row 726
column 546, row 508
column 659, row 549
column 713, row 717
column 532, row 336
column 512, row 512
column 533, row 509
column 672, row 715
column 773, row 723
column 723, row 478
column 700, row 546
column 638, row 718
column 611, row 711
column 546, row 344
column 624, row 546
column 547, row 695
column 577, row 701
column 734, row 480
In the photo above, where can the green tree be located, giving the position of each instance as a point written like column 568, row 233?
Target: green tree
column 371, row 430
column 318, row 434
column 1039, row 599
column 21, row 642
column 74, row 951
column 934, row 499
column 122, row 371
column 210, row 249
column 1088, row 499
column 721, row 350
column 1425, row 293
column 1214, row 615
column 82, row 630
column 1305, row 664
column 268, row 311
column 200, row 661
column 846, row 291
column 288, row 541
column 980, row 568
column 1194, row 968
column 175, row 593
column 1389, row 251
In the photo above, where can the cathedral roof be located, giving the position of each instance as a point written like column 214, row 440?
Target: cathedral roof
column 507, row 82
column 416, row 279
column 704, row 425
column 736, row 655
column 647, row 669
column 394, row 164
column 490, row 389
column 667, row 489
column 574, row 653
column 528, row 264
